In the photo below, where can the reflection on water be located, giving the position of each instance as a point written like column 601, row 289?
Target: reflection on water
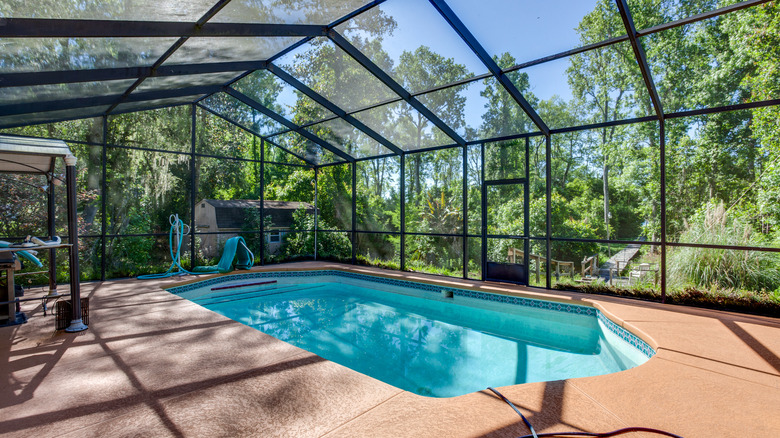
column 430, row 347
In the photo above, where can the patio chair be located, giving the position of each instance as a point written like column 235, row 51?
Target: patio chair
column 642, row 271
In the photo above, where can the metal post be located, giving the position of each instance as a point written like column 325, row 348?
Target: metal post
column 388, row 81
column 548, row 178
column 298, row 85
column 354, row 212
column 283, row 121
column 465, row 213
column 262, row 201
column 489, row 62
column 402, row 196
column 484, row 213
column 193, row 182
column 641, row 56
column 52, row 231
column 662, row 133
column 103, row 196
column 76, row 324
column 526, row 215
column 316, row 215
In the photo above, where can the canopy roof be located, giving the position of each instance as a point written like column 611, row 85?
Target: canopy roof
column 30, row 155
column 328, row 80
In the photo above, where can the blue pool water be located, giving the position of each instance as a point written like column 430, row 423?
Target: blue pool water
column 423, row 342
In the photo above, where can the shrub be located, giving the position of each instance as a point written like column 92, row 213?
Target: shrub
column 300, row 244
column 385, row 264
column 726, row 268
column 762, row 303
column 573, row 250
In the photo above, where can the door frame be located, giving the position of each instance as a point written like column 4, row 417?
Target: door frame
column 524, row 237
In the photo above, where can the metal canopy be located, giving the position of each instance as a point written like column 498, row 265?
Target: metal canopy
column 30, row 155
column 79, row 59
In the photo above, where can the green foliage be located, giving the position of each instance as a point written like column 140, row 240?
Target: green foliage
column 572, row 250
column 379, row 263
column 724, row 268
column 86, row 130
column 436, row 255
column 285, row 183
column 300, row 242
column 378, row 250
column 424, row 69
column 252, row 224
column 762, row 302
column 334, row 187
column 439, row 213
column 131, row 256
column 378, row 203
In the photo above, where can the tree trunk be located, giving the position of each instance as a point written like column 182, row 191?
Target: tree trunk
column 94, row 164
column 417, row 162
column 502, row 162
column 606, row 194
column 568, row 164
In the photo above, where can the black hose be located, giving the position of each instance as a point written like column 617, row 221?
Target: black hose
column 603, row 434
column 527, row 423
column 574, row 434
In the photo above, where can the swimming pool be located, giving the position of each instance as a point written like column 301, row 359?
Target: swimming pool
column 430, row 340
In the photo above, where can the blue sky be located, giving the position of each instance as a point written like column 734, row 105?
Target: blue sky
column 527, row 29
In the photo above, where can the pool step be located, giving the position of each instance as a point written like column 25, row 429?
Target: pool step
column 210, row 299
column 243, row 285
column 234, row 292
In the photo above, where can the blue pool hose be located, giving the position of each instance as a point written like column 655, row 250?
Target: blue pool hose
column 24, row 254
column 234, row 247
column 574, row 434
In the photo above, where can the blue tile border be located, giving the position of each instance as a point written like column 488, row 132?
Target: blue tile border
column 627, row 336
column 621, row 332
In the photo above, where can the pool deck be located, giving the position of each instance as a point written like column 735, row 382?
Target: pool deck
column 153, row 364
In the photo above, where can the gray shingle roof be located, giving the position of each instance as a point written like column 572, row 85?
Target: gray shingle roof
column 232, row 214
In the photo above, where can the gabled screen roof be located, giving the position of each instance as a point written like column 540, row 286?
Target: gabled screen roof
column 336, row 80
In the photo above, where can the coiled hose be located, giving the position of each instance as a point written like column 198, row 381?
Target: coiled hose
column 179, row 229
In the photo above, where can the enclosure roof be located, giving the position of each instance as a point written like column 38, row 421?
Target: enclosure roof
column 30, row 155
column 332, row 80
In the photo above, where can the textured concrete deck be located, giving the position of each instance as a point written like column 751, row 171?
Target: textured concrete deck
column 153, row 364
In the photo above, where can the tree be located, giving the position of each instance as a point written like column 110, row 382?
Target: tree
column 600, row 79
column 569, row 150
column 759, row 36
column 503, row 115
column 421, row 70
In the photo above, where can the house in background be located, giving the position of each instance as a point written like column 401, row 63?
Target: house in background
column 230, row 217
